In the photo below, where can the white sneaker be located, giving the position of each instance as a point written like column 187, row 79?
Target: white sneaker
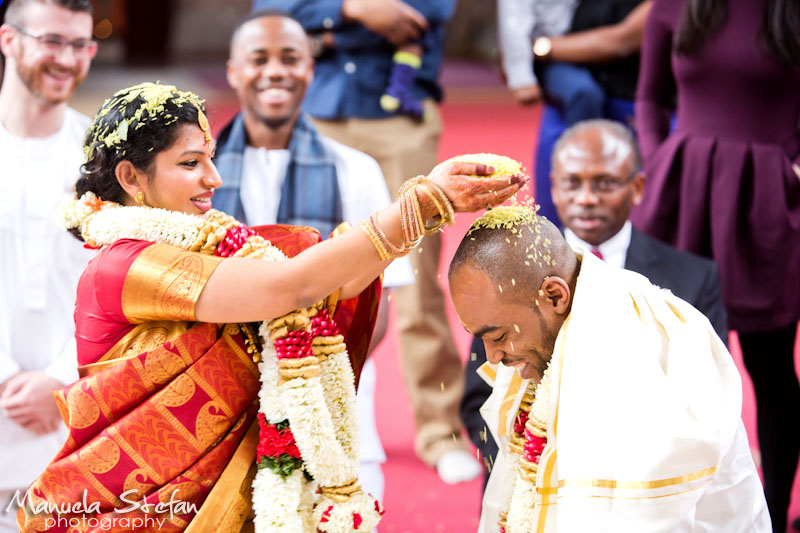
column 457, row 466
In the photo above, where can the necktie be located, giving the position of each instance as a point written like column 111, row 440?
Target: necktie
column 596, row 251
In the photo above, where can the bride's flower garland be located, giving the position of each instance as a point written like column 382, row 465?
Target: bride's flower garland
column 524, row 450
column 307, row 455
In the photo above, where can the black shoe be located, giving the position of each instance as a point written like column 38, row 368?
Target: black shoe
column 796, row 524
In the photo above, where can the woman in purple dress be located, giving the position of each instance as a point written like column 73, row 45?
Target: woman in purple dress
column 726, row 184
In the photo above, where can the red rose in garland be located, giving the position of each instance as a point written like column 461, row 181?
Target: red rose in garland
column 277, row 449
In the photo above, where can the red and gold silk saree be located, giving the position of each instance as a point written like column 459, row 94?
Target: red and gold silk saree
column 161, row 432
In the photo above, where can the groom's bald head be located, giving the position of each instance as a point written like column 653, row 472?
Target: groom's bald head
column 511, row 281
column 517, row 248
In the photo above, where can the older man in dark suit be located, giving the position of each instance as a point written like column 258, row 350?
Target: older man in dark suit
column 596, row 180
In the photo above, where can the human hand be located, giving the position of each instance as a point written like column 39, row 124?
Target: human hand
column 26, row 399
column 394, row 20
column 528, row 95
column 468, row 193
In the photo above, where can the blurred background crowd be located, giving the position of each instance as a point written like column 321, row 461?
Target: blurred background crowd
column 704, row 93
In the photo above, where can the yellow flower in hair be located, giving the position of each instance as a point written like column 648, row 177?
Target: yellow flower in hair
column 153, row 98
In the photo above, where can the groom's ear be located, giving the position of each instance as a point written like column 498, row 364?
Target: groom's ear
column 555, row 294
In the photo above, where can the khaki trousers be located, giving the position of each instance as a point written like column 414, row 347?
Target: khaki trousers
column 405, row 148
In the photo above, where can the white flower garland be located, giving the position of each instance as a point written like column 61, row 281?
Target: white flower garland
column 510, row 475
column 523, row 500
column 113, row 222
column 321, row 410
column 523, row 489
column 283, row 505
column 337, row 375
column 322, row 415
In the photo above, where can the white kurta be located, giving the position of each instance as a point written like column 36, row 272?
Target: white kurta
column 361, row 186
column 40, row 264
column 645, row 430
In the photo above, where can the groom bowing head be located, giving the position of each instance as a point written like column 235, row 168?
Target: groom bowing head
column 512, row 281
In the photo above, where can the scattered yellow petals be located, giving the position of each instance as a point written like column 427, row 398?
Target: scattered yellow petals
column 505, row 216
column 155, row 96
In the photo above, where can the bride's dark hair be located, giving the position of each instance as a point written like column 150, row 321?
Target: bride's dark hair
column 134, row 125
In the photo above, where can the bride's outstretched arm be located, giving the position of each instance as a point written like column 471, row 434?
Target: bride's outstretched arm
column 246, row 290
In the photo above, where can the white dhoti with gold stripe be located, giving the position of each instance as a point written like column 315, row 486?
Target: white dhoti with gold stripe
column 644, row 430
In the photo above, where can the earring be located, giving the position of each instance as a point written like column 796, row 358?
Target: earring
column 139, row 198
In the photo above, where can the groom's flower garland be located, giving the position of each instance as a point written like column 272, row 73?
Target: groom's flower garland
column 308, row 443
column 524, row 450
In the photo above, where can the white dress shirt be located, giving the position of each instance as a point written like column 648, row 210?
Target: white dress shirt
column 519, row 22
column 614, row 250
column 40, row 264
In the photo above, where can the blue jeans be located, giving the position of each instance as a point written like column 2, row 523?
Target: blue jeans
column 573, row 90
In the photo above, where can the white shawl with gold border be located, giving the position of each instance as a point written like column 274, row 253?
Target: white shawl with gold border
column 645, row 430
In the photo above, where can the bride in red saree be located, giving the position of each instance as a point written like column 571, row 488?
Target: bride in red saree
column 162, row 423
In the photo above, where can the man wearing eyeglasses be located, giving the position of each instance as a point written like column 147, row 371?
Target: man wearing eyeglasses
column 48, row 48
column 596, row 180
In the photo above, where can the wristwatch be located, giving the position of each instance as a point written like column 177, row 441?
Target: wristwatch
column 542, row 46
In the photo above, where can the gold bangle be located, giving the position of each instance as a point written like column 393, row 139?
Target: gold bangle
column 411, row 219
column 438, row 219
column 450, row 219
column 383, row 255
column 410, row 183
column 395, row 251
column 416, row 213
column 405, row 222
column 408, row 219
column 443, row 205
